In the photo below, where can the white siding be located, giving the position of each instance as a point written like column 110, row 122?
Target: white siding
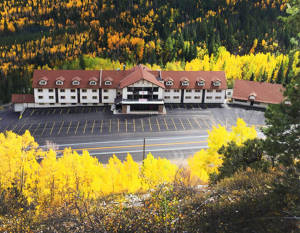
column 89, row 95
column 174, row 97
column 44, row 96
column 111, row 95
column 192, row 96
column 214, row 96
column 69, row 97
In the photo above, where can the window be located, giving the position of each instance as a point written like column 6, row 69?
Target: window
column 95, row 97
column 41, row 104
column 105, row 97
column 62, row 97
column 59, row 82
column 198, row 90
column 208, row 97
column 188, row 97
column 51, row 103
column 169, row 83
column 83, row 90
column 243, row 101
column 93, row 83
column 217, row 83
column 167, row 90
column 155, row 89
column 167, row 97
column 94, row 90
column 176, row 90
column 63, row 104
column 201, row 83
column 130, row 89
column 209, row 91
column 73, row 97
column 176, row 97
column 73, row 90
column 84, row 97
column 62, row 90
column 51, row 97
column 105, row 90
column 40, row 97
column 197, row 97
column 75, row 83
column 107, row 83
column 185, row 83
column 42, row 82
column 40, row 90
column 218, row 90
column 73, row 103
column 229, row 93
column 218, row 97
column 51, row 90
column 188, row 91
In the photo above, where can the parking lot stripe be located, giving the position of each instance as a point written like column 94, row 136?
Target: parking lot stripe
column 118, row 125
column 68, row 111
column 76, row 127
column 109, row 125
column 133, row 121
column 54, row 110
column 103, row 109
column 197, row 122
column 101, row 126
column 142, row 124
column 69, row 127
column 52, row 128
column 13, row 129
column 166, row 124
column 158, row 126
column 44, row 128
column 126, row 125
column 207, row 124
column 150, row 124
column 61, row 111
column 37, row 127
column 58, row 133
column 85, row 124
column 174, row 124
column 93, row 127
column 32, row 112
column 181, row 124
column 188, row 120
column 30, row 126
column 19, row 131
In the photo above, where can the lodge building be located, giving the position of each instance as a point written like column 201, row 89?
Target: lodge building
column 138, row 90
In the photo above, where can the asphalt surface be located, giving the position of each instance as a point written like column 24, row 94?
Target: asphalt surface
column 178, row 134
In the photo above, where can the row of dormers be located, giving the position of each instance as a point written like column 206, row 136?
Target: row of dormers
column 75, row 82
column 200, row 83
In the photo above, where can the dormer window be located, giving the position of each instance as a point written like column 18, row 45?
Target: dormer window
column 252, row 96
column 185, row 83
column 201, row 83
column 42, row 82
column 107, row 83
column 59, row 82
column 75, row 83
column 169, row 83
column 93, row 83
column 217, row 83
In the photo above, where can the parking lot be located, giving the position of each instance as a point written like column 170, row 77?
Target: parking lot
column 73, row 121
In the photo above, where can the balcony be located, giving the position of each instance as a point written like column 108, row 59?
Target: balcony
column 139, row 101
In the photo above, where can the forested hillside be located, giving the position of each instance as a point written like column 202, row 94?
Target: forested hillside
column 36, row 33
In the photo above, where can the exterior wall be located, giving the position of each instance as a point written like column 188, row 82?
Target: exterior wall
column 70, row 97
column 192, row 96
column 248, row 103
column 87, row 97
column 111, row 94
column 143, row 83
column 229, row 93
column 174, row 97
column 45, row 94
column 214, row 97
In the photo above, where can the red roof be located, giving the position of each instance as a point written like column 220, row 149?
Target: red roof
column 22, row 98
column 140, row 73
column 263, row 92
column 193, row 77
column 124, row 78
column 67, row 76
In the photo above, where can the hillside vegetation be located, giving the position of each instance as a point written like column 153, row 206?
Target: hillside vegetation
column 36, row 33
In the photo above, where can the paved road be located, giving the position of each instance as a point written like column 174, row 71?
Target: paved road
column 170, row 146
